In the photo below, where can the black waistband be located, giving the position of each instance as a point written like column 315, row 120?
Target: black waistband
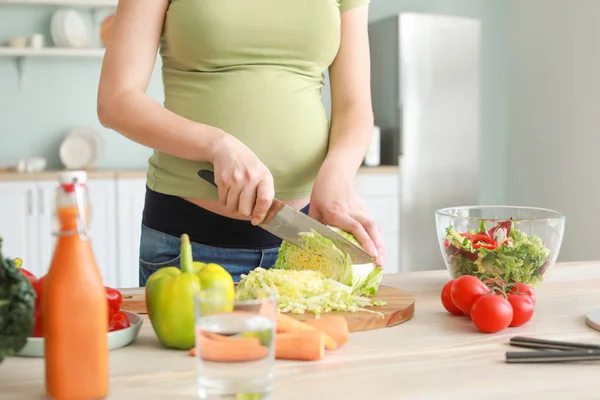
column 174, row 216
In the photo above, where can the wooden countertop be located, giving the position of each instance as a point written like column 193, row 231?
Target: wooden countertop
column 124, row 174
column 428, row 357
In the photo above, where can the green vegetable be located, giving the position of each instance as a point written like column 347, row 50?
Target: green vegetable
column 170, row 294
column 514, row 256
column 17, row 302
column 304, row 291
column 318, row 253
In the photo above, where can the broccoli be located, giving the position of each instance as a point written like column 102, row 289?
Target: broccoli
column 17, row 304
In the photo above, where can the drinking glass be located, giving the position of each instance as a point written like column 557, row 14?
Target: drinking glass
column 235, row 348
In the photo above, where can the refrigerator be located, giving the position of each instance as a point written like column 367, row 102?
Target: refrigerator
column 426, row 91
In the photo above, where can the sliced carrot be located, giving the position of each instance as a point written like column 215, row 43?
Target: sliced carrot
column 226, row 351
column 286, row 324
column 332, row 325
column 235, row 341
column 300, row 345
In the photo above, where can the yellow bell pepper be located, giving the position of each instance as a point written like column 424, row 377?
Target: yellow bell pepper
column 170, row 294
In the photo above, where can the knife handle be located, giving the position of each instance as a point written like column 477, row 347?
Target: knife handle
column 208, row 176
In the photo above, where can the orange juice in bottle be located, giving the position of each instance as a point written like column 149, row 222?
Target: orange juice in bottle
column 75, row 308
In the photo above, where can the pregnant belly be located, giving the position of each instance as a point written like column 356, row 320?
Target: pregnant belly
column 278, row 115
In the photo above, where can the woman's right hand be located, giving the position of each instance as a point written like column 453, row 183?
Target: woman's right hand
column 245, row 184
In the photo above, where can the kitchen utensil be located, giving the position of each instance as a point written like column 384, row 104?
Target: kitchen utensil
column 593, row 319
column 36, row 41
column 74, row 29
column 547, row 356
column 551, row 351
column 399, row 308
column 80, row 149
column 533, row 343
column 56, row 32
column 538, row 235
column 288, row 223
column 116, row 339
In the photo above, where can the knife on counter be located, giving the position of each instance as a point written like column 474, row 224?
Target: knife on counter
column 288, row 223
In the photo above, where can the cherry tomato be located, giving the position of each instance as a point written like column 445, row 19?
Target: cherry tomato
column 465, row 291
column 118, row 321
column 523, row 307
column 491, row 313
column 447, row 299
column 524, row 288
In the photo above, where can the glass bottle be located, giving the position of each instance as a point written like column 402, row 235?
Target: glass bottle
column 74, row 305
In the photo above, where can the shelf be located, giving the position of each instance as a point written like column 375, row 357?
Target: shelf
column 73, row 3
column 50, row 52
column 22, row 53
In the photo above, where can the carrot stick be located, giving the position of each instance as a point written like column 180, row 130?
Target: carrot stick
column 226, row 351
column 235, row 341
column 300, row 345
column 332, row 325
column 287, row 324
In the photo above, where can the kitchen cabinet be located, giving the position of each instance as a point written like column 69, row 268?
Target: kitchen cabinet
column 130, row 204
column 27, row 223
column 18, row 222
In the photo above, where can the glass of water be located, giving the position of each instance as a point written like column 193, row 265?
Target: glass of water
column 235, row 344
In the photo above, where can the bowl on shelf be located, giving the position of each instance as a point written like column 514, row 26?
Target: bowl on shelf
column 515, row 244
column 116, row 339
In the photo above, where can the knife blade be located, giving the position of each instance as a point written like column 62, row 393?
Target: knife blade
column 288, row 224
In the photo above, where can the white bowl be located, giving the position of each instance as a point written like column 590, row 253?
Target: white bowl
column 116, row 339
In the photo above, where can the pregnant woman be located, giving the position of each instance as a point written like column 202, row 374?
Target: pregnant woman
column 242, row 85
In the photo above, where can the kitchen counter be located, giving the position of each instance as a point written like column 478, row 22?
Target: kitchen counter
column 113, row 174
column 433, row 356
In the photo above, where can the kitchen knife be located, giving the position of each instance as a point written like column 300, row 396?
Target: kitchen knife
column 288, row 223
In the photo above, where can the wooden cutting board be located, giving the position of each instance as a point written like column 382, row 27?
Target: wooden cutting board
column 400, row 307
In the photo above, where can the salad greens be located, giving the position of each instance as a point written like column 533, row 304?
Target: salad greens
column 318, row 253
column 304, row 291
column 501, row 252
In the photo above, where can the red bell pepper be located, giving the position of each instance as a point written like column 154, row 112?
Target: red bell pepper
column 115, row 300
column 485, row 241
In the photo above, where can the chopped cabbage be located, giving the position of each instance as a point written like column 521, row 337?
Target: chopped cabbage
column 299, row 292
column 318, row 253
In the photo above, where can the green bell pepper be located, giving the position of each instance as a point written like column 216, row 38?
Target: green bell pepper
column 170, row 295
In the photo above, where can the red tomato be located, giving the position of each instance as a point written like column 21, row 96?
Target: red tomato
column 491, row 313
column 524, row 288
column 447, row 299
column 523, row 307
column 465, row 291
column 118, row 321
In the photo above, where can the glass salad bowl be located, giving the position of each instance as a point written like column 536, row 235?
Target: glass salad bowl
column 515, row 244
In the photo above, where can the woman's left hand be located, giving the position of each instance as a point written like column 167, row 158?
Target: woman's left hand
column 334, row 201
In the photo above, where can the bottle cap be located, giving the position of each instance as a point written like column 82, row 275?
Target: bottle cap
column 72, row 177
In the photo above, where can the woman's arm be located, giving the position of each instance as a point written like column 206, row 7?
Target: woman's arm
column 334, row 200
column 351, row 110
column 123, row 104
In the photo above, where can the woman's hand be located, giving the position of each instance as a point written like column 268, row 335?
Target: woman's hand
column 245, row 184
column 334, row 201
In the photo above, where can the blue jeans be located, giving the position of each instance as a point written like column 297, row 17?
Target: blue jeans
column 158, row 250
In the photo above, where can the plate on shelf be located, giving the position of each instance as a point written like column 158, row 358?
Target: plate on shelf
column 81, row 148
column 116, row 339
column 75, row 29
column 58, row 36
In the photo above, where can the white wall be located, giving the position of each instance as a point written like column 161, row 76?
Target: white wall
column 553, row 141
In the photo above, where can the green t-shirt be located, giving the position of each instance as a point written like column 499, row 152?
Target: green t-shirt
column 253, row 68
